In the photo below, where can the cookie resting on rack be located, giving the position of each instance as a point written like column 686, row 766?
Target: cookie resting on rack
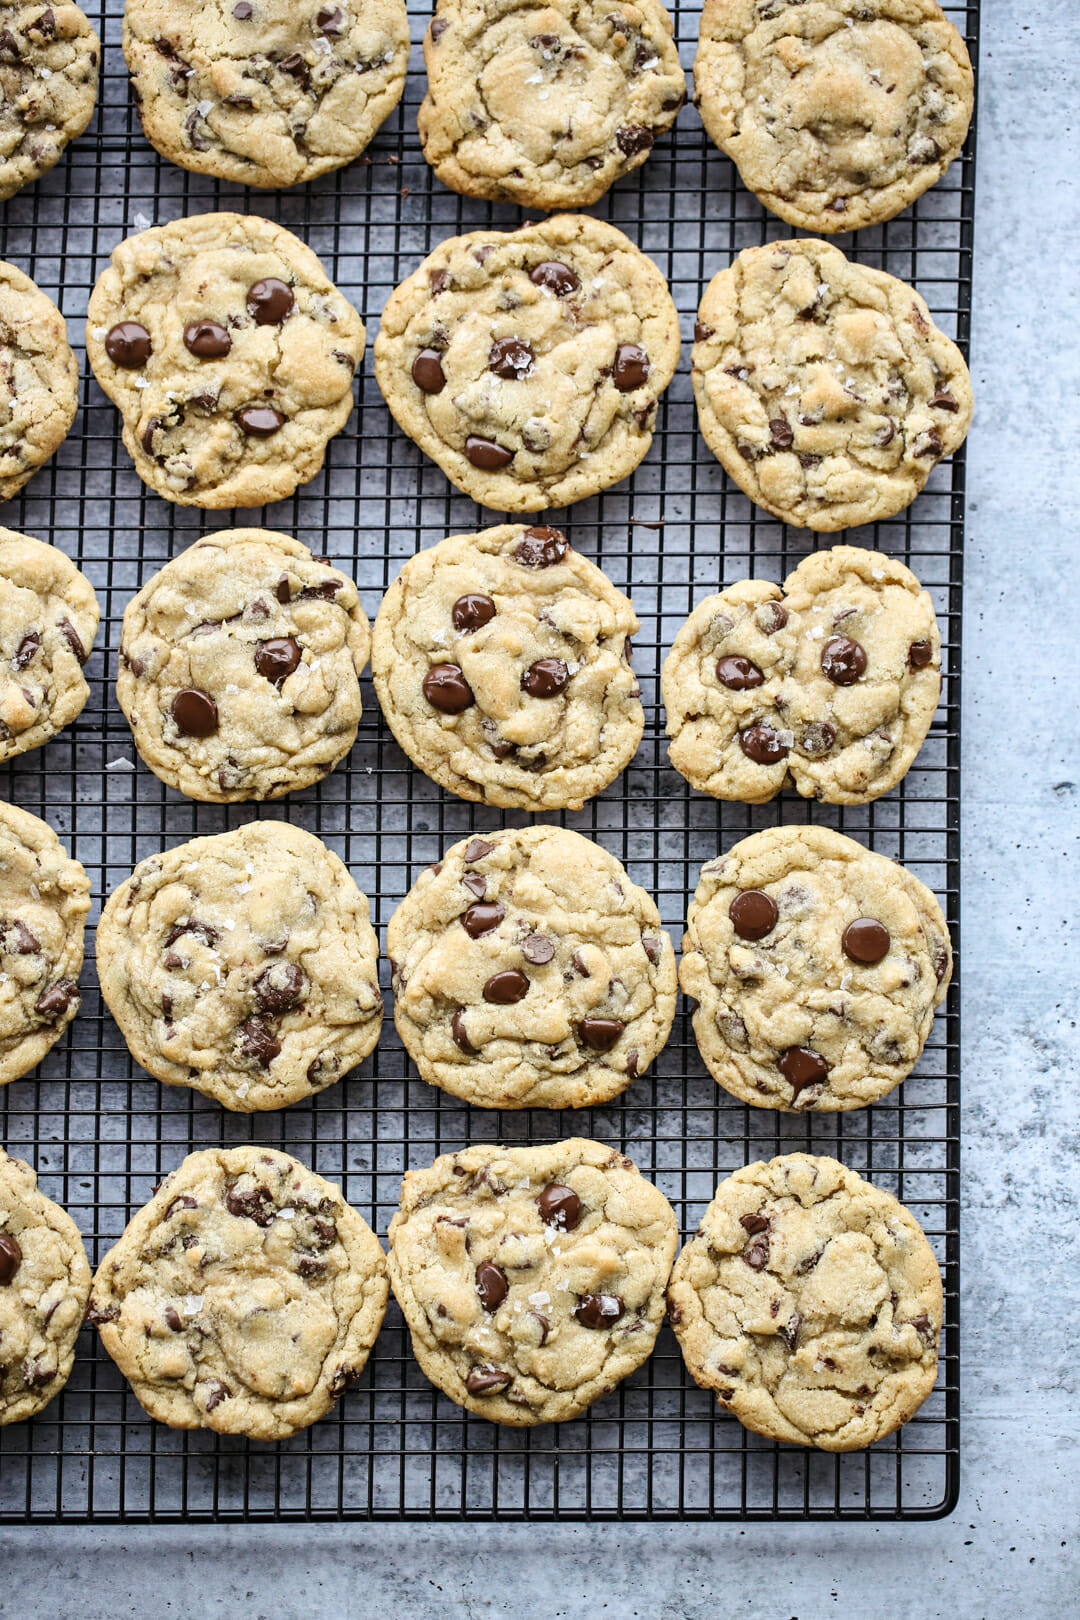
column 239, row 667
column 502, row 665
column 49, row 57
column 265, row 92
column 836, row 113
column 546, row 104
column 529, row 363
column 48, row 619
column 529, row 972
column 817, row 966
column 244, row 1297
column 823, row 387
column 811, row 1302
column 39, row 377
column 229, row 354
column 532, row 1278
column 243, row 965
column 832, row 681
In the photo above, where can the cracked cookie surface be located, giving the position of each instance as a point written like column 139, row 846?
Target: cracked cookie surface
column 48, row 619
column 532, row 1279
column 229, row 354
column 239, row 667
column 502, row 665
column 836, row 113
column 529, row 972
column 546, row 104
column 39, row 379
column 49, row 58
column 817, row 966
column 44, row 900
column 833, row 680
column 243, row 965
column 823, row 387
column 528, row 364
column 44, row 1287
column 244, row 1297
column 266, row 93
column 811, row 1303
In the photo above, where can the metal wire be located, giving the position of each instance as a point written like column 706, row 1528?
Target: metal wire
column 101, row 1133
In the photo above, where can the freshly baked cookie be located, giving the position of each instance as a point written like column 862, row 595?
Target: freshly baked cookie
column 230, row 355
column 239, row 667
column 532, row 1278
column 836, row 113
column 39, row 375
column 44, row 1287
column 48, row 619
column 243, row 965
column 49, row 59
column 817, row 966
column 502, row 664
column 546, row 102
column 834, row 679
column 811, row 1302
column 528, row 363
column 824, row 387
column 267, row 93
column 44, row 899
column 244, row 1297
column 529, row 972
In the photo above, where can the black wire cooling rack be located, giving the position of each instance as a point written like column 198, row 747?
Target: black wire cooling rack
column 101, row 1133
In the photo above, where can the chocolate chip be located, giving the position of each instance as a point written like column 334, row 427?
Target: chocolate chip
column 472, row 612
column 10, row 1258
column 631, row 368
column 446, row 689
column 491, row 1285
column 486, row 454
column 511, row 358
column 146, row 438
column 771, row 617
column 790, row 1330
column 632, row 1059
column 546, row 678
column 427, row 371
column 457, row 1030
column 329, row 20
column 753, row 914
column 559, row 1206
column 540, row 547
column 555, row 277
column 481, row 918
column 486, row 1380
column 323, row 592
column 73, row 639
column 476, row 849
column 761, row 744
column 866, row 940
column 756, row 1252
column 504, row 988
column 277, row 658
column 258, row 1043
column 194, row 712
column 475, row 882
column 279, row 987
column 270, row 300
column 843, row 660
column 27, row 650
column 254, row 1204
column 943, row 401
column 838, row 205
column 55, row 1001
column 601, row 1034
column 754, row 1223
column 738, row 674
column 800, row 1067
column 128, row 345
column 207, row 339
column 218, row 1392
column 260, row 421
column 24, row 943
column 579, row 964
column 651, row 947
column 633, row 138
column 243, row 11
column 172, row 1319
column 599, row 1310
column 818, row 737
column 537, row 948
column 920, row 654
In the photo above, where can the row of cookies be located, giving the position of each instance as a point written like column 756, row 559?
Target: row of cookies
column 502, row 664
column 527, row 364
column 528, row 970
column 246, row 1296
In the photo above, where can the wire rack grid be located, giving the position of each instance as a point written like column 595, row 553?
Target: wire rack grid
column 100, row 1132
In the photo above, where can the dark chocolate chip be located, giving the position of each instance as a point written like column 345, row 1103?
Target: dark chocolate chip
column 329, row 20
column 843, row 660
column 10, row 1257
column 771, row 617
column 486, row 1380
column 540, row 547
column 559, row 1206
column 279, row 987
column 482, row 917
column 511, row 358
column 446, row 689
column 754, row 1223
column 504, row 988
column 472, row 612
column 537, row 948
column 761, row 744
column 486, row 454
column 631, row 368
column 218, row 1392
column 633, row 138
column 207, row 339
column 920, row 654
column 457, row 1030
column 491, row 1285
column 475, row 882
column 652, row 947
column 73, row 639
column 780, row 432
column 601, row 1034
column 243, row 10
column 944, row 401
column 27, row 650
column 738, row 674
column 756, row 1252
column 128, row 345
column 24, row 943
column 476, row 849
column 194, row 712
column 258, row 1043
column 55, row 1001
column 254, row 1204
column 172, row 1319
column 546, row 678
column 800, row 1067
column 427, row 371
column 866, row 940
column 260, row 421
column 702, row 333
column 555, row 277
column 599, row 1310
column 753, row 914
column 818, row 737
column 277, row 658
column 270, row 300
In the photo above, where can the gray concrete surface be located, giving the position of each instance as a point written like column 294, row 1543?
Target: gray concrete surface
column 1011, row 1549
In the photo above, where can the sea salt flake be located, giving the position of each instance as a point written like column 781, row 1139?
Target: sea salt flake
column 192, row 1304
column 540, row 1298
column 140, row 220
column 119, row 765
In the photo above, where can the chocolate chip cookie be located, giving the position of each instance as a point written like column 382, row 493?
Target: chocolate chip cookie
column 502, row 664
column 44, row 1287
column 243, row 965
column 529, row 972
column 837, row 113
column 266, row 92
column 817, row 966
column 49, row 59
column 39, row 376
column 44, row 899
column 833, row 680
column 532, row 1279
column 811, row 1302
column 824, row 387
column 239, row 667
column 48, row 619
column 244, row 1297
column 546, row 104
column 528, row 364
column 230, row 355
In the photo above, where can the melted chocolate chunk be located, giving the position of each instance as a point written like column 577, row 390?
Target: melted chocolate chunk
column 330, row 20
column 559, row 1206
column 55, row 1001
column 427, row 371
column 761, row 744
column 256, row 1204
column 753, row 914
column 538, row 949
column 866, row 941
column 260, row 421
column 258, row 1043
column 541, row 547
column 446, row 689
column 601, row 1034
column 10, row 1258
column 631, row 367
column 599, row 1310
column 503, row 989
column 128, row 345
column 920, row 654
column 269, row 301
column 27, row 650
column 843, row 660
column 481, row 918
column 486, row 454
column 510, row 358
column 800, row 1068
column 457, row 1030
column 771, row 617
column 555, row 277
column 472, row 612
column 277, row 658
column 485, row 1380
column 279, row 987
column 491, row 1285
column 633, row 138
column 73, row 639
column 476, row 849
column 781, row 434
column 207, row 339
column 546, row 678
column 818, row 737
column 194, row 712
column 738, row 674
column 754, row 1223
column 756, row 1252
